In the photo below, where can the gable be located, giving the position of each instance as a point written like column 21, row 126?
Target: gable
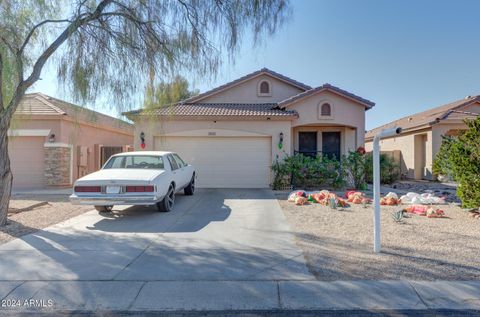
column 343, row 111
column 469, row 111
column 248, row 91
column 474, row 108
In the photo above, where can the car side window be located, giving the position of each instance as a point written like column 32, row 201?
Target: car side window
column 115, row 162
column 181, row 163
column 173, row 164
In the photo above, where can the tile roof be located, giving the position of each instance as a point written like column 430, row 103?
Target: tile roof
column 246, row 77
column 426, row 118
column 218, row 110
column 34, row 104
column 369, row 104
column 41, row 104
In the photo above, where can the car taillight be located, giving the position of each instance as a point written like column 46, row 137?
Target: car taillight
column 139, row 189
column 88, row 189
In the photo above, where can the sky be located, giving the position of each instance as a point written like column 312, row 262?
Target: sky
column 406, row 56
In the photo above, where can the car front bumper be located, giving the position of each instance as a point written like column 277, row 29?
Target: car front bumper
column 108, row 200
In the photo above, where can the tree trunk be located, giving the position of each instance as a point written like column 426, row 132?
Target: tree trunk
column 5, row 173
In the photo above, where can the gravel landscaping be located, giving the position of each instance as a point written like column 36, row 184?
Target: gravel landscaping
column 47, row 210
column 338, row 244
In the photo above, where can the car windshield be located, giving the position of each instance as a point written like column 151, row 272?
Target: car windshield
column 135, row 161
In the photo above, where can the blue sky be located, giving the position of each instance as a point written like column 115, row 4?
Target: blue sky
column 406, row 56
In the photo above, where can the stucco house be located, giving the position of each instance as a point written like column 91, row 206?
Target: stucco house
column 234, row 132
column 52, row 142
column 422, row 132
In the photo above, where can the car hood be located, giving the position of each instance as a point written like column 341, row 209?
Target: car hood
column 120, row 176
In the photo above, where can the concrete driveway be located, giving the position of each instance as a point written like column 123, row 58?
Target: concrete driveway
column 217, row 235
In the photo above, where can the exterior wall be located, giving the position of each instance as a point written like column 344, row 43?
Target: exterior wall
column 75, row 134
column 58, row 164
column 347, row 141
column 88, row 136
column 344, row 113
column 154, row 128
column 51, row 123
column 247, row 92
column 406, row 144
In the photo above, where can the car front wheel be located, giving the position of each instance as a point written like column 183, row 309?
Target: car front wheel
column 104, row 208
column 166, row 204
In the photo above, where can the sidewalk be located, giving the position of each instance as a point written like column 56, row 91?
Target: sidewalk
column 235, row 297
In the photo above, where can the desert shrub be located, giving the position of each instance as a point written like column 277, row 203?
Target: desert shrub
column 389, row 170
column 461, row 156
column 353, row 166
column 355, row 169
column 307, row 172
column 441, row 163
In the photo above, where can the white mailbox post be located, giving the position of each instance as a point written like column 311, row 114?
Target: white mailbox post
column 376, row 183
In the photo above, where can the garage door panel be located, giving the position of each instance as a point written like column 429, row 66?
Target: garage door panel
column 27, row 161
column 230, row 162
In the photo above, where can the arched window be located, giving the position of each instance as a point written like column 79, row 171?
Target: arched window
column 326, row 110
column 264, row 88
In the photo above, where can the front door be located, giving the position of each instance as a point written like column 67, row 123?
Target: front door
column 307, row 143
column 331, row 144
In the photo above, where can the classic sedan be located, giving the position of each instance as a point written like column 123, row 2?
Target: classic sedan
column 136, row 178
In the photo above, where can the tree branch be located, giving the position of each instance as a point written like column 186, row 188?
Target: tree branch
column 38, row 66
column 35, row 27
column 1, row 83
column 9, row 46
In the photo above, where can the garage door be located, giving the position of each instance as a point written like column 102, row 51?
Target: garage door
column 26, row 159
column 224, row 162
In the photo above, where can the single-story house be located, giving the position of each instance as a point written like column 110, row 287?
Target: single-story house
column 422, row 133
column 53, row 142
column 234, row 132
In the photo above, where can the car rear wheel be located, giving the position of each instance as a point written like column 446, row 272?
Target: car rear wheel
column 167, row 202
column 104, row 208
column 190, row 189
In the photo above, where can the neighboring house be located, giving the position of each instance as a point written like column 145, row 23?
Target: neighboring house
column 52, row 142
column 234, row 132
column 421, row 136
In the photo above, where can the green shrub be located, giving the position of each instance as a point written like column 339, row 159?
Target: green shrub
column 460, row 156
column 353, row 166
column 355, row 170
column 389, row 170
column 441, row 164
column 307, row 172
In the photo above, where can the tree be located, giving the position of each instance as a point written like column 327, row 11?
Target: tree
column 168, row 93
column 108, row 47
column 460, row 157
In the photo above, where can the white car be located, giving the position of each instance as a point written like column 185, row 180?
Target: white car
column 136, row 178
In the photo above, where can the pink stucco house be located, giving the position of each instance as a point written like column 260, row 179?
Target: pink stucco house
column 234, row 132
column 52, row 142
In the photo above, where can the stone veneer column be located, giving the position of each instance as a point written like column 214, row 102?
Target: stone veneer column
column 58, row 164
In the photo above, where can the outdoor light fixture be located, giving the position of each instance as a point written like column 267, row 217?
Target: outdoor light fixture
column 51, row 139
column 280, row 143
column 385, row 133
column 142, row 139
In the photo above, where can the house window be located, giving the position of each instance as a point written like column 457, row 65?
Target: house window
column 264, row 88
column 326, row 110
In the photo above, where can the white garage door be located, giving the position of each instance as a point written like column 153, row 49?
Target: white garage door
column 27, row 161
column 224, row 162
